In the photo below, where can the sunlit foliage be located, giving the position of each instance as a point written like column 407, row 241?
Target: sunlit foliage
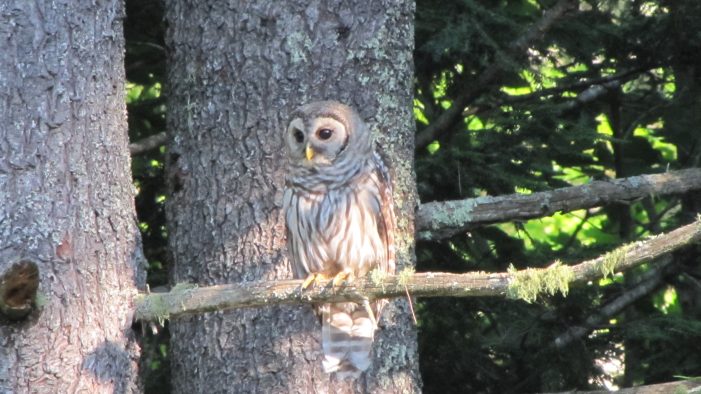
column 597, row 96
column 610, row 89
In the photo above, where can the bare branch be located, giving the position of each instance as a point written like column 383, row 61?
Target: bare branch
column 452, row 115
column 590, row 89
column 437, row 220
column 148, row 143
column 650, row 282
column 684, row 386
column 525, row 284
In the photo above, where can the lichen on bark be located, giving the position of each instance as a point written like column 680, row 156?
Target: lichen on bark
column 66, row 198
column 530, row 283
column 237, row 71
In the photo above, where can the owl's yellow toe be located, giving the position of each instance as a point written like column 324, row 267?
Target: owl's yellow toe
column 314, row 279
column 346, row 276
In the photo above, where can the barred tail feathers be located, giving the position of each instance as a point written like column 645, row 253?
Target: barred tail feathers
column 347, row 333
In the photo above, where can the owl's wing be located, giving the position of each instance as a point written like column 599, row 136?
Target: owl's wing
column 300, row 266
column 386, row 223
column 347, row 329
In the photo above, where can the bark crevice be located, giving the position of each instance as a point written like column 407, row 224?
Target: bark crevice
column 18, row 289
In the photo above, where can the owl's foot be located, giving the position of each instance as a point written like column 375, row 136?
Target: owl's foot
column 313, row 279
column 346, row 276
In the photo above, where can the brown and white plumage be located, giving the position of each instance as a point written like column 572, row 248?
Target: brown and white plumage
column 339, row 215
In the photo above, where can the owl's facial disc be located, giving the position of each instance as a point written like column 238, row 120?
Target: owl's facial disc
column 327, row 138
column 296, row 139
column 322, row 134
column 316, row 142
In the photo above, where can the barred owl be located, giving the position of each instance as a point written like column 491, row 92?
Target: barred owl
column 340, row 222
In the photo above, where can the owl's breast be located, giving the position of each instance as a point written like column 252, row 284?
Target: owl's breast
column 332, row 231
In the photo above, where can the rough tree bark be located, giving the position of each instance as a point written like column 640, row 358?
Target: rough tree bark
column 236, row 70
column 66, row 199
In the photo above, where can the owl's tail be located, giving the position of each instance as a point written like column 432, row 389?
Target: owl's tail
column 347, row 332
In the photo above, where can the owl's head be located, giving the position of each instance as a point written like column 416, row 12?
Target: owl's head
column 324, row 133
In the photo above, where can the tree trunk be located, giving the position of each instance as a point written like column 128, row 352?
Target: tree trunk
column 236, row 72
column 66, row 200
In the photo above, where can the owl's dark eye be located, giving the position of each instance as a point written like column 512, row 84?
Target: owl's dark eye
column 299, row 136
column 324, row 134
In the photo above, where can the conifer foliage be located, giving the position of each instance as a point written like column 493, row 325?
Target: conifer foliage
column 519, row 96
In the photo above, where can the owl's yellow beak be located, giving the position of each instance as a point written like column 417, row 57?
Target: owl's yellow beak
column 309, row 152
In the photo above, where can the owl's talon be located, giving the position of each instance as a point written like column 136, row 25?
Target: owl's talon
column 313, row 280
column 308, row 281
column 346, row 276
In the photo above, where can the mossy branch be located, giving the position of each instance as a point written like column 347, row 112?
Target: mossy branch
column 437, row 220
column 522, row 284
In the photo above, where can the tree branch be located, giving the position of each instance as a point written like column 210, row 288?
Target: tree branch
column 447, row 119
column 437, row 220
column 589, row 89
column 684, row 386
column 525, row 284
column 650, row 282
column 148, row 143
